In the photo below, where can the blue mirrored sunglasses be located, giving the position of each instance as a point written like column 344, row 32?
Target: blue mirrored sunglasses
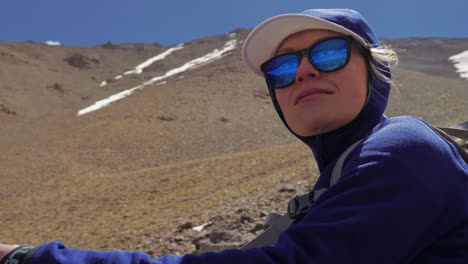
column 327, row 55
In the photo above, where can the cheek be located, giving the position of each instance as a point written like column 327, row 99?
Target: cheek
column 353, row 83
column 352, row 86
column 282, row 98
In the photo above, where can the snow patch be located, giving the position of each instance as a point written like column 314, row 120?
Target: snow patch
column 53, row 43
column 201, row 227
column 139, row 68
column 207, row 58
column 461, row 63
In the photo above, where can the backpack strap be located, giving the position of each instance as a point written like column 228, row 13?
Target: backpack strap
column 460, row 130
column 271, row 234
column 336, row 173
column 447, row 133
column 297, row 208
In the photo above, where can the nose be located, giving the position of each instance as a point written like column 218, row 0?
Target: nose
column 306, row 71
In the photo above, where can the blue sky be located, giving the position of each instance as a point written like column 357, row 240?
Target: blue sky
column 169, row 22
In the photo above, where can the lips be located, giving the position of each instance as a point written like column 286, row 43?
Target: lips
column 310, row 91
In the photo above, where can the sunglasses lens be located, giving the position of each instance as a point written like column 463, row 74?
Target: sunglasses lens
column 327, row 56
column 281, row 71
column 330, row 55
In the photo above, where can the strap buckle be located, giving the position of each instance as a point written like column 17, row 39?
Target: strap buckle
column 299, row 205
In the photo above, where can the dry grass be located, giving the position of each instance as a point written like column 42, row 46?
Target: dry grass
column 119, row 211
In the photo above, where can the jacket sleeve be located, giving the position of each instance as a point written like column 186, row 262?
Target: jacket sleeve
column 56, row 252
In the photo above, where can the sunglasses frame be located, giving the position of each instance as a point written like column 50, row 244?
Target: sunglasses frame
column 306, row 51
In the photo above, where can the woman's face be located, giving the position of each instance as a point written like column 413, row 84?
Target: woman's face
column 318, row 102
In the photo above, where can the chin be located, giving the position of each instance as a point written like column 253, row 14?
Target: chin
column 307, row 132
column 315, row 127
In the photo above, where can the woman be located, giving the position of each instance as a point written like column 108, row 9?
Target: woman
column 402, row 196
